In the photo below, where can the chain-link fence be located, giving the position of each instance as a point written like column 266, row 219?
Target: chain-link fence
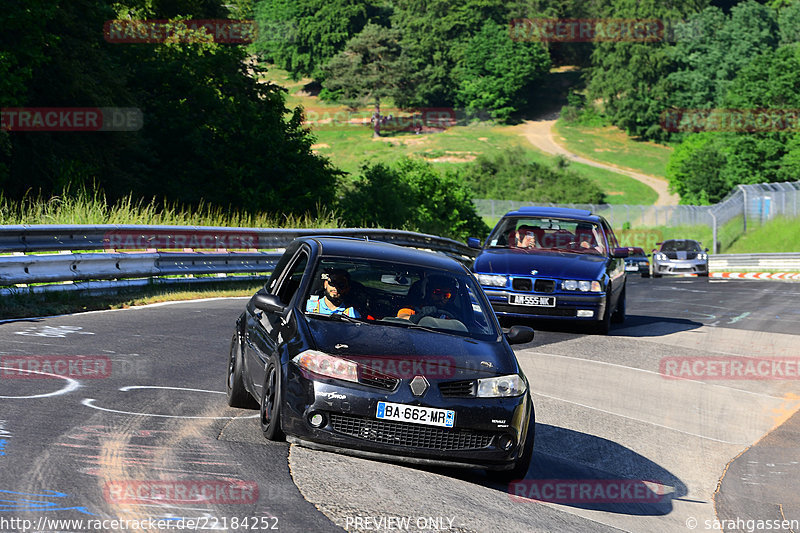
column 746, row 205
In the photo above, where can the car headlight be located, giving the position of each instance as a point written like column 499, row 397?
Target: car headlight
column 661, row 257
column 583, row 286
column 327, row 365
column 702, row 257
column 492, row 280
column 502, row 386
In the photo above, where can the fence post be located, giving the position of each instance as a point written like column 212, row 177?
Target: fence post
column 744, row 210
column 714, row 226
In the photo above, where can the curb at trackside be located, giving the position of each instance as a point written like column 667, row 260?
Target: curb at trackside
column 764, row 276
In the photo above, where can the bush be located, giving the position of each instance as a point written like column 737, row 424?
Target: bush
column 509, row 175
column 412, row 195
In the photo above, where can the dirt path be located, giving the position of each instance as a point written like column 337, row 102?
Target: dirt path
column 540, row 134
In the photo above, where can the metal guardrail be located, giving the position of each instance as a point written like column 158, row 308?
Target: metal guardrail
column 28, row 265
column 787, row 262
column 41, row 238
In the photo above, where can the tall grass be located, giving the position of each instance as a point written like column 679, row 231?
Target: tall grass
column 85, row 207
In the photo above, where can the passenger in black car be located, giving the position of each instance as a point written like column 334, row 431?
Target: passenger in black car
column 439, row 294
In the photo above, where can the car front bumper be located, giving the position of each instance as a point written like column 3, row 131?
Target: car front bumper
column 350, row 424
column 569, row 305
column 677, row 266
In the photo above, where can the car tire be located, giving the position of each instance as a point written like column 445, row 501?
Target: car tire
column 618, row 317
column 656, row 275
column 269, row 415
column 603, row 326
column 523, row 464
column 236, row 391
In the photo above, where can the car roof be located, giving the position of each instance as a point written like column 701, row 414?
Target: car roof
column 364, row 249
column 557, row 212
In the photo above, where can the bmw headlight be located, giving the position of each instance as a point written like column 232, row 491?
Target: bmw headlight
column 492, row 280
column 502, row 386
column 583, row 286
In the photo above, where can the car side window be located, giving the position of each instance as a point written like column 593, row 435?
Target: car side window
column 291, row 280
column 612, row 239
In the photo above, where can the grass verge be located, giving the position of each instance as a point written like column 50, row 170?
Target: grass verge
column 611, row 145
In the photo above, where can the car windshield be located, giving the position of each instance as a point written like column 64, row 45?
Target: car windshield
column 531, row 234
column 680, row 246
column 379, row 292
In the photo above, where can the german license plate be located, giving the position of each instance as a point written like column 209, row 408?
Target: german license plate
column 416, row 415
column 537, row 301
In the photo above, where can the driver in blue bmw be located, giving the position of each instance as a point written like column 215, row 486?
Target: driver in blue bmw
column 336, row 283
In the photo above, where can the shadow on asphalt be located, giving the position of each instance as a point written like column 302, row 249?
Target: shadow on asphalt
column 634, row 326
column 622, row 481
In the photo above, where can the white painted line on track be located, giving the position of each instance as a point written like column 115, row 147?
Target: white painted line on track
column 70, row 386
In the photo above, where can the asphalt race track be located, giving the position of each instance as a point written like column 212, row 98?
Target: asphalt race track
column 142, row 430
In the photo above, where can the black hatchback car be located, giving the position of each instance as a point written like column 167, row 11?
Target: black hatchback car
column 381, row 351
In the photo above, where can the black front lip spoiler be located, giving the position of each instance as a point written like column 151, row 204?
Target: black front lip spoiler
column 395, row 458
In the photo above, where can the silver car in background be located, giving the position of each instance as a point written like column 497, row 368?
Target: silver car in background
column 677, row 256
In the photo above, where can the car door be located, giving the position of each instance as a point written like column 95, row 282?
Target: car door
column 263, row 330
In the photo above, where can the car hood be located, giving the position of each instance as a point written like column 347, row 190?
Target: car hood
column 560, row 265
column 406, row 352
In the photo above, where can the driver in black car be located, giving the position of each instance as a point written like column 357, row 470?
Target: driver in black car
column 440, row 292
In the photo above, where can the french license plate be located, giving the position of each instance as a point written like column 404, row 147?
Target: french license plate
column 537, row 301
column 416, row 415
column 631, row 268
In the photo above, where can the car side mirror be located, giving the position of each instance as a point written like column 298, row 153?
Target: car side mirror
column 519, row 334
column 706, row 250
column 268, row 302
column 474, row 242
column 619, row 253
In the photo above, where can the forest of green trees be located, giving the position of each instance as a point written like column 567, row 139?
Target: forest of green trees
column 214, row 134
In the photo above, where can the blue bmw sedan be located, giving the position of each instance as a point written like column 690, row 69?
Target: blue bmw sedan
column 554, row 263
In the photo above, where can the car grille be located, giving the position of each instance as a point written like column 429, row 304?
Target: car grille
column 410, row 435
column 544, row 285
column 373, row 378
column 521, row 284
column 456, row 389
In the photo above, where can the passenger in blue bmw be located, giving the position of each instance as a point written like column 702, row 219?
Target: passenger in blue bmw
column 336, row 283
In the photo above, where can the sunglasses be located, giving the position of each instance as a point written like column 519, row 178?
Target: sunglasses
column 337, row 282
column 444, row 293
